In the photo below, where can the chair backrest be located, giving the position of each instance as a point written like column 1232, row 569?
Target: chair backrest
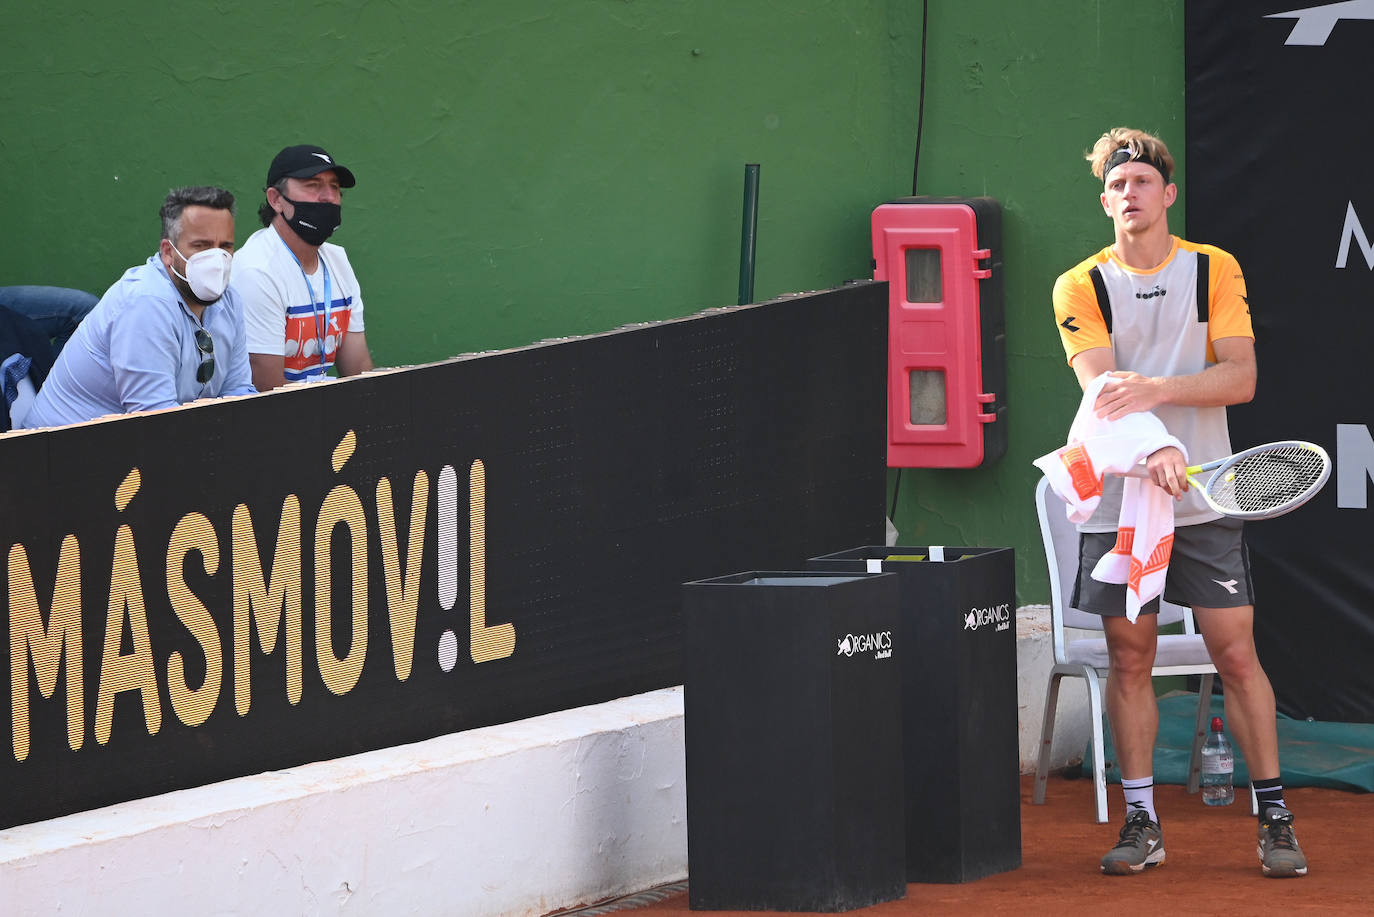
column 24, row 395
column 25, row 359
column 1060, row 539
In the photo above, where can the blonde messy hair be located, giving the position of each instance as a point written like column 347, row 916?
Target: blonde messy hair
column 1142, row 146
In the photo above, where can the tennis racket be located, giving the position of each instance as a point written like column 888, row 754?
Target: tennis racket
column 1262, row 482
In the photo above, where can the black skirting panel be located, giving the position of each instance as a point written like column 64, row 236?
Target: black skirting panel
column 254, row 584
column 1307, row 289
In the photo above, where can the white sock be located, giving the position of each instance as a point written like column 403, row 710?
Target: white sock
column 1140, row 795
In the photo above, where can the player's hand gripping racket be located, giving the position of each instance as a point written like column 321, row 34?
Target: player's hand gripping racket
column 1262, row 482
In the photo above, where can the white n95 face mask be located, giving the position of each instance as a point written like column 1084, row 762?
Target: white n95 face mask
column 207, row 273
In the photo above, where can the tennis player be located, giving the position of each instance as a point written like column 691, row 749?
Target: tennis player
column 1170, row 319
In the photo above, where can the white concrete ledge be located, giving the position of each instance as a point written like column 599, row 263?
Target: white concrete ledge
column 519, row 819
column 1034, row 659
column 516, row 820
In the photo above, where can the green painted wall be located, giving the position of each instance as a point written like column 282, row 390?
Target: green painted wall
column 543, row 168
column 1016, row 93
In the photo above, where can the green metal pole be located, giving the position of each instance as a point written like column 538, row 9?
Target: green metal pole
column 748, row 242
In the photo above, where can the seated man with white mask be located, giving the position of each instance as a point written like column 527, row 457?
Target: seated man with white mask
column 166, row 333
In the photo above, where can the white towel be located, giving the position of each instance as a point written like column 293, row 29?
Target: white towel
column 1145, row 532
column 1144, row 543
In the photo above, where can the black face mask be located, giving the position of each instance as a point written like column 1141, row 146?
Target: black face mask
column 314, row 221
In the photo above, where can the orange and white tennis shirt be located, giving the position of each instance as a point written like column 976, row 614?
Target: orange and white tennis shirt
column 1160, row 322
column 286, row 313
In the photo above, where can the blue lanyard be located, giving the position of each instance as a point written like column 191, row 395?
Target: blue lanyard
column 315, row 314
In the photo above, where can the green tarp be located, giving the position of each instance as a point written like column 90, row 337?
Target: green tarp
column 1332, row 755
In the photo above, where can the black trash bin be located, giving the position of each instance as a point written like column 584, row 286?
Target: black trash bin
column 793, row 739
column 960, row 737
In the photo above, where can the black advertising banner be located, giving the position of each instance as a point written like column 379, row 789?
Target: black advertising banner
column 257, row 583
column 1276, row 173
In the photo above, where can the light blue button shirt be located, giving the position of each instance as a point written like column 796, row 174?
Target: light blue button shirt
column 136, row 351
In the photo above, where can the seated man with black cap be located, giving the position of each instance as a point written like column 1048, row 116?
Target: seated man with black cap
column 301, row 301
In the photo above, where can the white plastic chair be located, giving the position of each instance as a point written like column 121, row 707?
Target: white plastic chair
column 1176, row 654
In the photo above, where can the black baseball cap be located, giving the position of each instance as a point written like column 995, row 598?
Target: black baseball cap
column 303, row 161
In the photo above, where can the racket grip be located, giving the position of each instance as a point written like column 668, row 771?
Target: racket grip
column 1139, row 471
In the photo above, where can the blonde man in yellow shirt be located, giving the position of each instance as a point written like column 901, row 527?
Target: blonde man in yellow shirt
column 1170, row 321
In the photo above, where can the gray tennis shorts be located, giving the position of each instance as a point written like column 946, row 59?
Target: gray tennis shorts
column 1209, row 566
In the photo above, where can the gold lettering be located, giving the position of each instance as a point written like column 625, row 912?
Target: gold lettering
column 348, row 444
column 193, row 706
column 488, row 643
column 341, row 507
column 46, row 646
column 128, row 489
column 132, row 672
column 267, row 605
column 402, row 585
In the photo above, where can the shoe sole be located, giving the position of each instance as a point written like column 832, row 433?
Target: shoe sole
column 1122, row 868
column 1281, row 872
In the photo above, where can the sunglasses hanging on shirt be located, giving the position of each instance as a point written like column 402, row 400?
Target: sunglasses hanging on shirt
column 206, row 345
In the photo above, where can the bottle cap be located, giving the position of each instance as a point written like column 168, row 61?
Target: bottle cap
column 1216, row 724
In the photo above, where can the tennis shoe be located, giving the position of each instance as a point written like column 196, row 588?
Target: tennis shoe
column 1279, row 853
column 1140, row 847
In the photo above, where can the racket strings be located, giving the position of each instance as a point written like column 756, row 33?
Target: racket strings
column 1267, row 480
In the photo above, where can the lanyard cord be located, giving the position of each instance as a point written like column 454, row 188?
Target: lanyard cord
column 320, row 335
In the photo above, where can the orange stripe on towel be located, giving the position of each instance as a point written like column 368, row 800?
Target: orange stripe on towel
column 1086, row 481
column 1158, row 560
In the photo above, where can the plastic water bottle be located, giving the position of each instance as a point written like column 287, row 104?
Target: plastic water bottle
column 1218, row 768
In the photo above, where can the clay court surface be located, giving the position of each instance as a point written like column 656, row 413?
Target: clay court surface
column 1212, row 867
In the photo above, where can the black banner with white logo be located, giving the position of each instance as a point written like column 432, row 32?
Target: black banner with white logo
column 1277, row 173
column 253, row 584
